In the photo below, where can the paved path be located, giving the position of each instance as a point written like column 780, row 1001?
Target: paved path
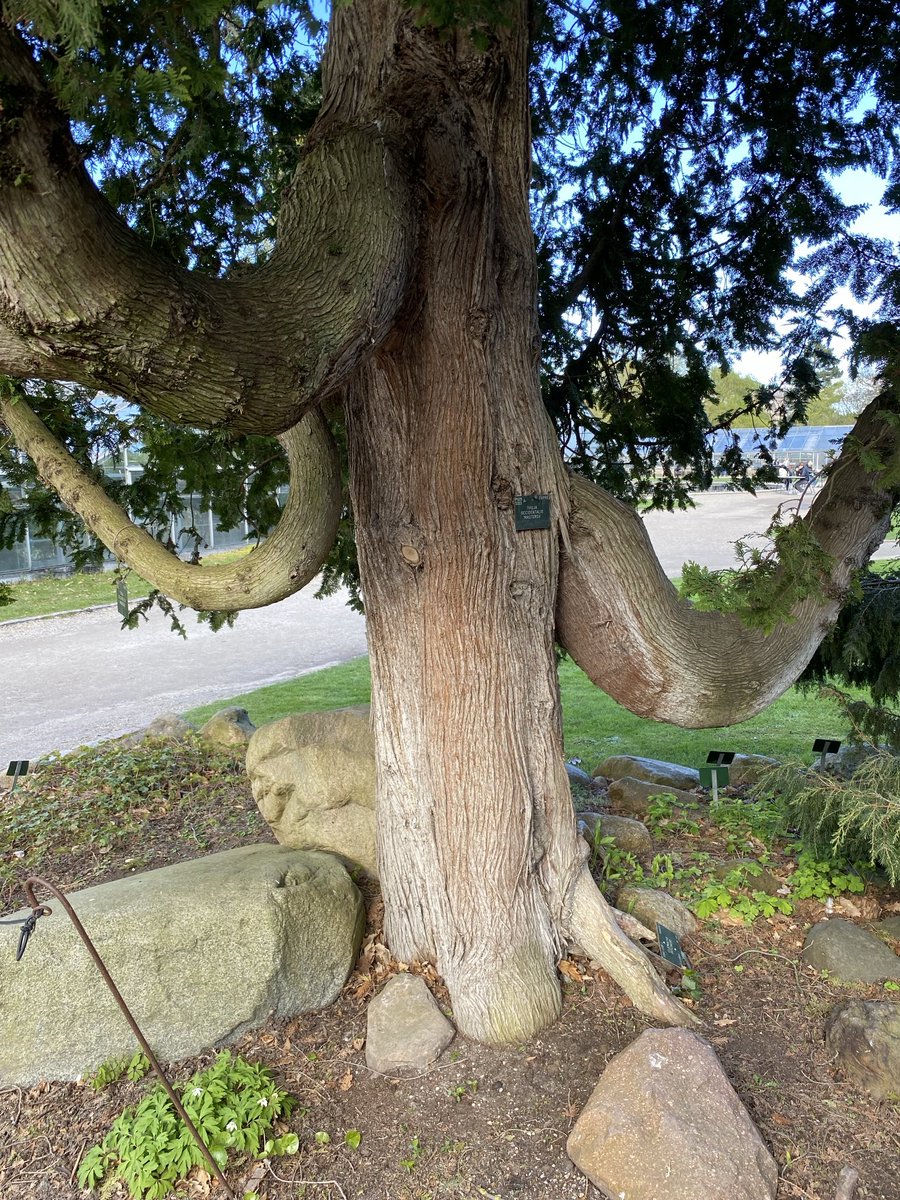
column 65, row 681
column 76, row 679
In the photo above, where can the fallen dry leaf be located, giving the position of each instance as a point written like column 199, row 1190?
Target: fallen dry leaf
column 346, row 1081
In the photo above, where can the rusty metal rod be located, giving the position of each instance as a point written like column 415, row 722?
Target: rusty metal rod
column 29, row 885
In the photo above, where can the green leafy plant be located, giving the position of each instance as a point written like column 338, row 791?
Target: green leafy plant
column 734, row 893
column 352, row 1138
column 232, row 1103
column 819, row 878
column 114, row 1068
column 415, row 1153
column 662, row 817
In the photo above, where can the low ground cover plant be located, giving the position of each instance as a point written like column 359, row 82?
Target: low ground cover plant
column 234, row 1104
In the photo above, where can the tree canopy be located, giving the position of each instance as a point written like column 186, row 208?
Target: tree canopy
column 686, row 161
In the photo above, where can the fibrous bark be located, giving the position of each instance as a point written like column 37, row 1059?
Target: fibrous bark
column 288, row 559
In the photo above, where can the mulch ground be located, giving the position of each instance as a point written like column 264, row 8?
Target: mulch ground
column 482, row 1122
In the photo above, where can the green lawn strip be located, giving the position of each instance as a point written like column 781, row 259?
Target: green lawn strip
column 594, row 725
column 333, row 687
column 82, row 589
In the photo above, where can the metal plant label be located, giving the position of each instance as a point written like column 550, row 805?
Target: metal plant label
column 16, row 769
column 532, row 512
column 122, row 598
column 670, row 947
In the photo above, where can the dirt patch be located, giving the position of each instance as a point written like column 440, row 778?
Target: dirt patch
column 483, row 1122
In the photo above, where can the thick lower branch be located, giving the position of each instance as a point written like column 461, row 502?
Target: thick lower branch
column 84, row 298
column 625, row 625
column 288, row 559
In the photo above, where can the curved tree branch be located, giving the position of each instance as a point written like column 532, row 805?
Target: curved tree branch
column 625, row 625
column 84, row 298
column 287, row 560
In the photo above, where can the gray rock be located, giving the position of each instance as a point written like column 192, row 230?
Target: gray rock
column 849, row 954
column 580, row 778
column 406, row 1031
column 201, row 952
column 865, row 1037
column 632, row 837
column 169, row 725
column 754, row 876
column 650, row 905
column 228, row 727
column 313, row 778
column 650, row 770
column 634, row 795
column 664, row 1123
column 890, row 926
column 749, row 768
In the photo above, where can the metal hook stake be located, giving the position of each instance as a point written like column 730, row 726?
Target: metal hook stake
column 107, row 979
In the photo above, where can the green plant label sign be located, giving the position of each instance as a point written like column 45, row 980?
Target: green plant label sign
column 670, row 947
column 717, row 775
column 122, row 598
column 826, row 746
column 532, row 512
column 16, row 769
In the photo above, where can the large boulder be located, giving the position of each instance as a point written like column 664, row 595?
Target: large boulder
column 849, row 954
column 864, row 1036
column 228, row 727
column 750, row 768
column 201, row 952
column 664, row 1123
column 651, row 770
column 313, row 778
column 634, row 795
column 631, row 837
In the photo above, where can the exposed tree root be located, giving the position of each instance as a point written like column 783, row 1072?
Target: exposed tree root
column 592, row 923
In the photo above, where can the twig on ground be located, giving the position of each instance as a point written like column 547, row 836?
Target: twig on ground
column 77, row 1160
column 333, row 1183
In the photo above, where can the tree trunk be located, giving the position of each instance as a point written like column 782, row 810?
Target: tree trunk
column 479, row 861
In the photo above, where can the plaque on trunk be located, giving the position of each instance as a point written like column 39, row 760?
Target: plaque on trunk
column 532, row 512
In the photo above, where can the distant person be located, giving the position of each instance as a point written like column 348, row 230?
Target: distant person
column 804, row 477
column 784, row 476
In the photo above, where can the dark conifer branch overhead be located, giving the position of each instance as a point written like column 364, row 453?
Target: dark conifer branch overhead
column 84, row 298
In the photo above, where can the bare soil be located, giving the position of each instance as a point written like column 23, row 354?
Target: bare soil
column 482, row 1122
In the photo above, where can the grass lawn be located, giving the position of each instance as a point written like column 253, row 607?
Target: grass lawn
column 594, row 725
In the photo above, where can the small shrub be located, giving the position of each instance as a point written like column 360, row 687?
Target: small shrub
column 856, row 820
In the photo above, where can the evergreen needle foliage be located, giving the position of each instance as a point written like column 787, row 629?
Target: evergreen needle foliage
column 770, row 581
column 856, row 819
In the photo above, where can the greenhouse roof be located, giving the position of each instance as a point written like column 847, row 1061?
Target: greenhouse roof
column 802, row 439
